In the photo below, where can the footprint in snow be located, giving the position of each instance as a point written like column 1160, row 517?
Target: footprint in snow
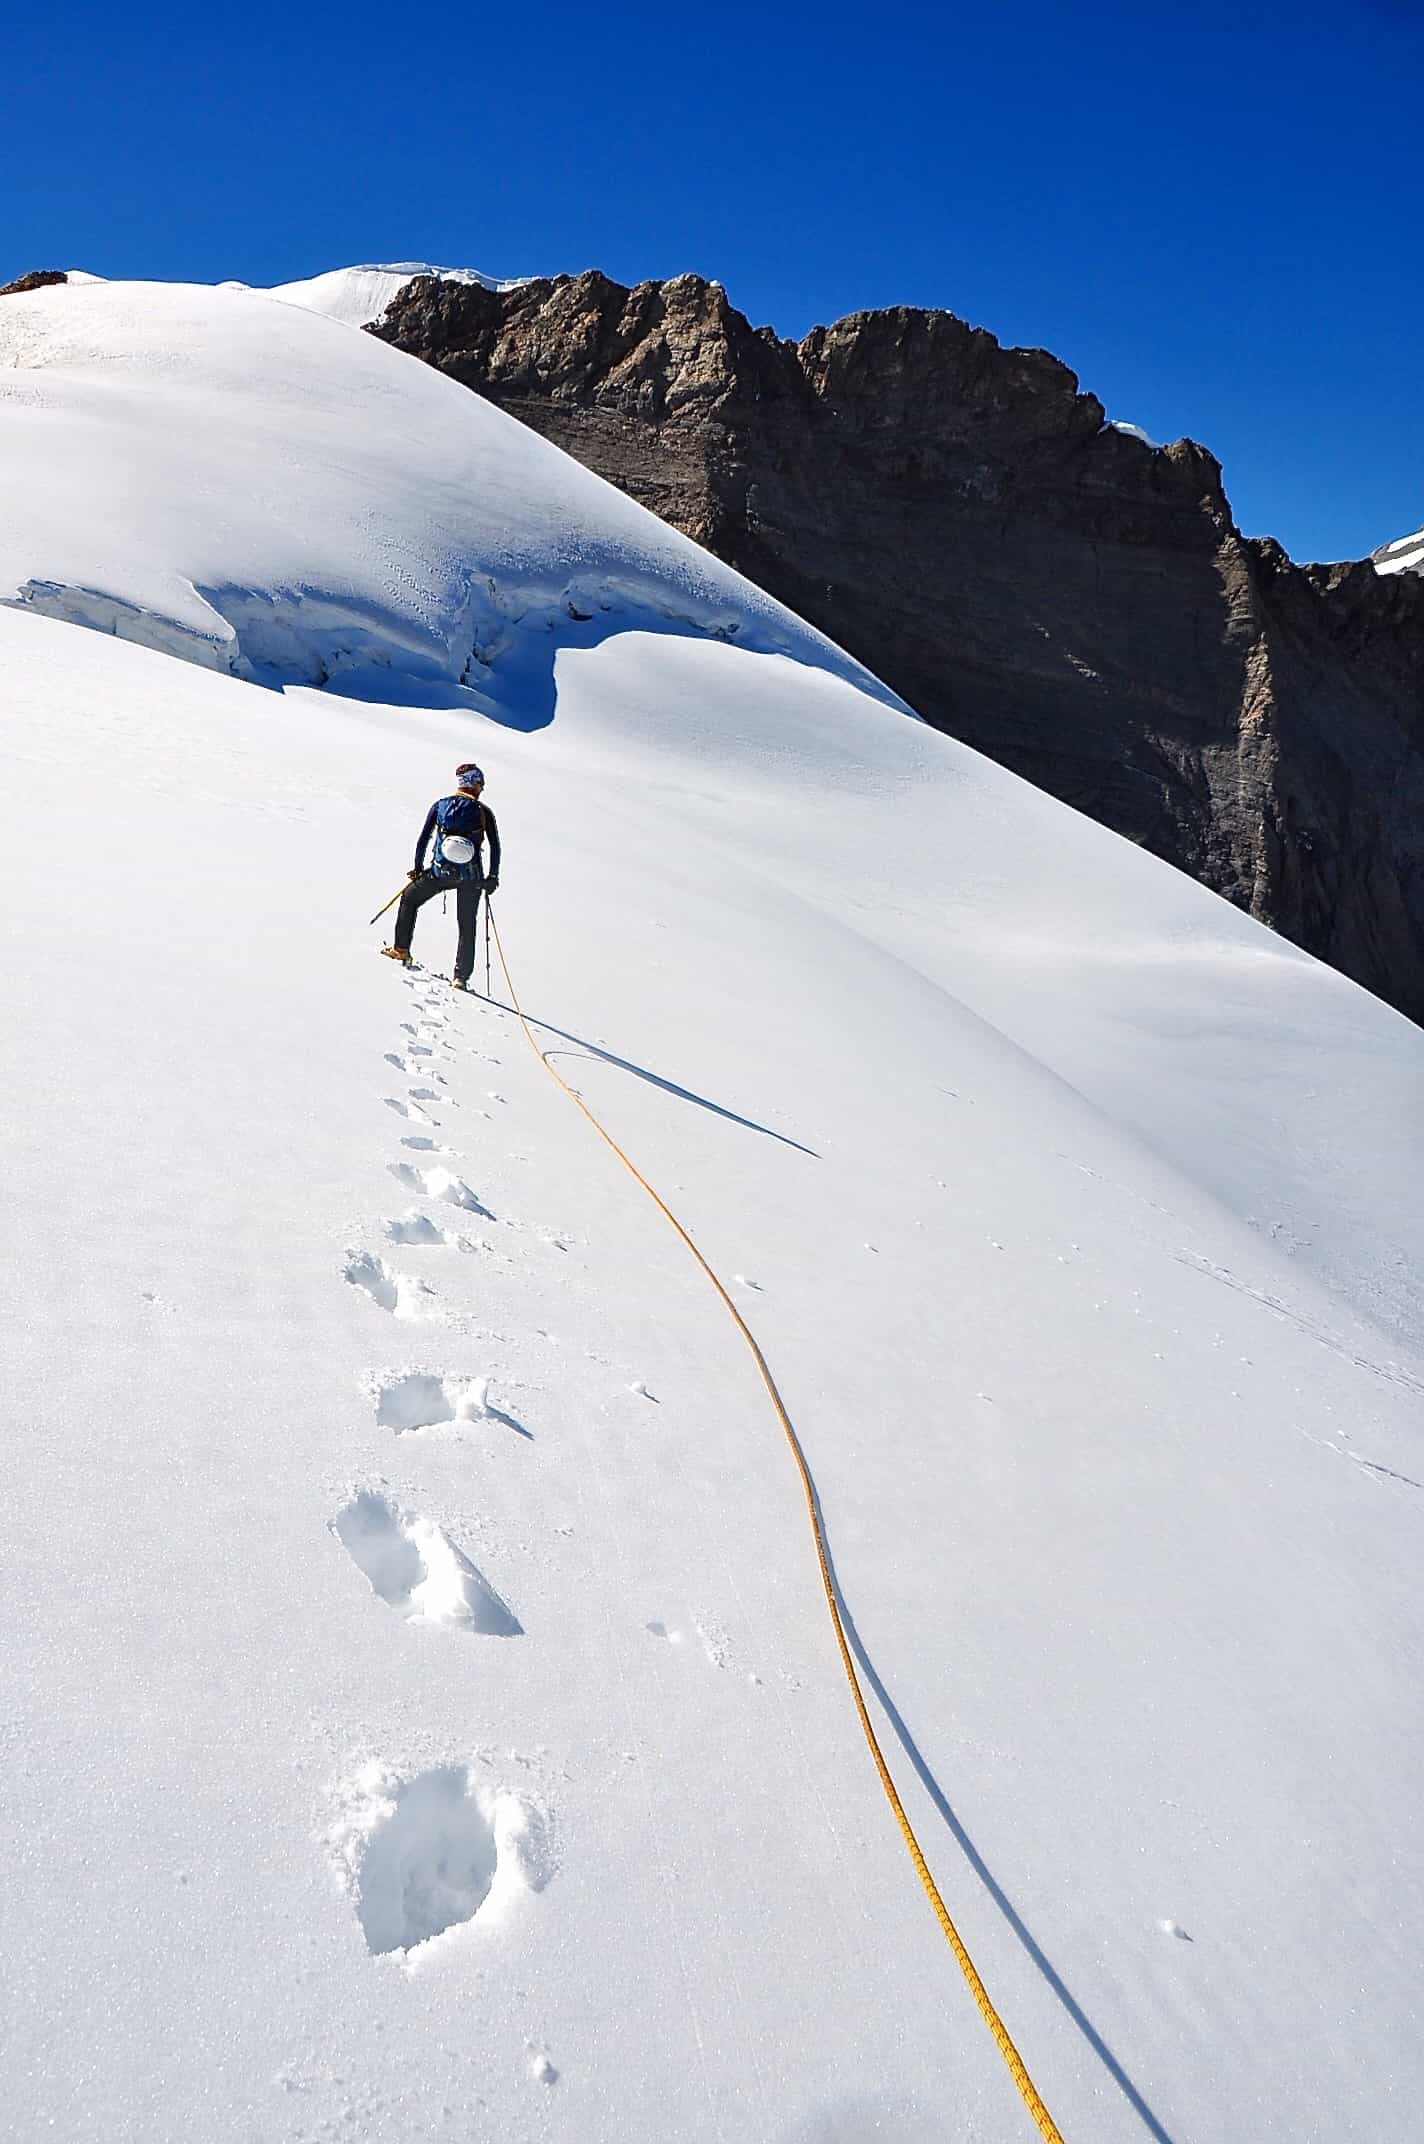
column 418, row 1228
column 403, row 1296
column 415, row 1068
column 417, row 1400
column 415, row 1568
column 438, row 1183
column 426, row 1853
column 412, row 1111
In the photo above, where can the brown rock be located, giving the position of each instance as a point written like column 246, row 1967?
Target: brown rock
column 37, row 279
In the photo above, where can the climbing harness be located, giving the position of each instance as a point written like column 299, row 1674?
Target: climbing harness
column 1047, row 2127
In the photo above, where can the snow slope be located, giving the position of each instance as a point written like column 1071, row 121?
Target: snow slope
column 399, row 1539
column 260, row 491
column 357, row 296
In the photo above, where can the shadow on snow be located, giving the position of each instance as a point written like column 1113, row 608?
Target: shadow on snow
column 593, row 1053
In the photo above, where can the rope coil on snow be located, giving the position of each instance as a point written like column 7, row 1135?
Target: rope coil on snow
column 1018, row 2070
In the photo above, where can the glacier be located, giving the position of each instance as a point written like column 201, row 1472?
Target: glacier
column 421, row 1717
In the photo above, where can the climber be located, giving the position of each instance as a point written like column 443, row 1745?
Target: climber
column 461, row 824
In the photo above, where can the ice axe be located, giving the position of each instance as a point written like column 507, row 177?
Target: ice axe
column 390, row 903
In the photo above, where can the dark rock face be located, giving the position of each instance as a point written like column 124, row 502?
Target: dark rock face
column 37, row 279
column 1078, row 605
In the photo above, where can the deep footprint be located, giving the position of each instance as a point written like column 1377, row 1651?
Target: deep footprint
column 416, row 1569
column 419, row 1401
column 438, row 1184
column 424, row 1854
column 396, row 1292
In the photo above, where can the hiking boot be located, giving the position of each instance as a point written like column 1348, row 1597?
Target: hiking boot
column 395, row 952
column 459, row 982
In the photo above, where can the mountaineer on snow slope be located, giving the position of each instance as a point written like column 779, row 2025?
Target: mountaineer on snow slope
column 461, row 824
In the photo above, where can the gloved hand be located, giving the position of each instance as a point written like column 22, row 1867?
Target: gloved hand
column 491, row 886
column 412, row 875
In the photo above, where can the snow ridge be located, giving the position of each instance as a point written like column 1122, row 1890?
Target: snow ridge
column 359, row 296
column 377, row 524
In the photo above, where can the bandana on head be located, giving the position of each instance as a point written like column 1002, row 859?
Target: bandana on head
column 467, row 774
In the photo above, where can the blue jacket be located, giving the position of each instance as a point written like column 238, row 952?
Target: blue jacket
column 459, row 815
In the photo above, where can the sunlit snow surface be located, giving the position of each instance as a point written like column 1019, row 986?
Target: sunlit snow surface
column 255, row 488
column 420, row 1716
column 355, row 296
column 358, row 296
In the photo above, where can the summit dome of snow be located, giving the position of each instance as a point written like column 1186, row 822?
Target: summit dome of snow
column 359, row 296
column 247, row 485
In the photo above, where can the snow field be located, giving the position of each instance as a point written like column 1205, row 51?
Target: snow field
column 1079, row 1218
column 1072, row 1213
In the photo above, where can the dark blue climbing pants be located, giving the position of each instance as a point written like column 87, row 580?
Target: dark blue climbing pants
column 467, row 893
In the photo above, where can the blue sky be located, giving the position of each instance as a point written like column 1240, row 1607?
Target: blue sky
column 1212, row 213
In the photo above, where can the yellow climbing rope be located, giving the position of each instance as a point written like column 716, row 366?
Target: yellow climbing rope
column 1018, row 2070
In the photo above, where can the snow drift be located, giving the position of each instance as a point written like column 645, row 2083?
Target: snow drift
column 421, row 1717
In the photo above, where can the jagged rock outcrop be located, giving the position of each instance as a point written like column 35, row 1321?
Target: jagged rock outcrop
column 37, row 279
column 1075, row 603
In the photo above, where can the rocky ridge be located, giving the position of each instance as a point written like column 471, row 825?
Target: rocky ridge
column 1074, row 602
column 37, row 279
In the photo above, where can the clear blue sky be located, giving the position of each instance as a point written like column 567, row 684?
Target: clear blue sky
column 1213, row 213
